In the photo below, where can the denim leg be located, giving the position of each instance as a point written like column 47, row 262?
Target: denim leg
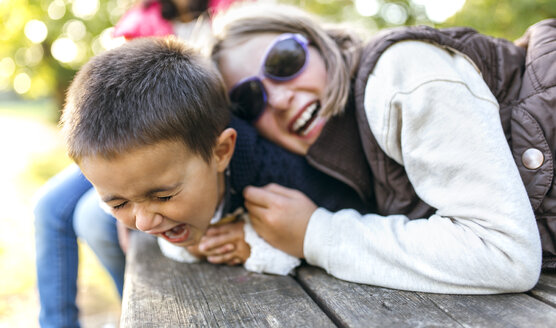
column 98, row 229
column 56, row 247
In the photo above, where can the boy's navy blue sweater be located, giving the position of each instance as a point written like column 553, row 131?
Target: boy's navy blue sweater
column 258, row 162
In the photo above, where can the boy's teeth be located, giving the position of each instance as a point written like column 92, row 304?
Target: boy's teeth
column 176, row 232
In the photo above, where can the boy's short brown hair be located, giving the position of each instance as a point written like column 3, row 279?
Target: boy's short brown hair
column 146, row 91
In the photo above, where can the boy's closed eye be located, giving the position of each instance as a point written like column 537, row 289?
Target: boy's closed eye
column 121, row 205
column 162, row 194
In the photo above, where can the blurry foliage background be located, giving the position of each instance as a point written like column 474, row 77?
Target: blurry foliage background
column 45, row 41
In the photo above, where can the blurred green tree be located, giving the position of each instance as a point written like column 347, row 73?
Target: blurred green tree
column 369, row 14
column 45, row 41
column 507, row 19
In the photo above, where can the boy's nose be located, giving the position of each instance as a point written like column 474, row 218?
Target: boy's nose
column 280, row 97
column 146, row 220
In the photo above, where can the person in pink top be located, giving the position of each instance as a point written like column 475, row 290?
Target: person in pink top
column 167, row 17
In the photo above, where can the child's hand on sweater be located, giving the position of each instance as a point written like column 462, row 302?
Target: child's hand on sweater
column 225, row 244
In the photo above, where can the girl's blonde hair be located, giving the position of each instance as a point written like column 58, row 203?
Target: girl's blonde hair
column 339, row 48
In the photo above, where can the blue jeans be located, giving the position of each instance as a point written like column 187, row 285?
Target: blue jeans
column 98, row 229
column 56, row 245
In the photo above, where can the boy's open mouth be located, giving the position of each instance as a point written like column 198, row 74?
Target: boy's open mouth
column 306, row 120
column 177, row 234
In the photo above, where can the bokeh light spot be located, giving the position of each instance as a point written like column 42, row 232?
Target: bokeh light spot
column 22, row 83
column 394, row 14
column 64, row 50
column 440, row 10
column 7, row 67
column 75, row 29
column 85, row 8
column 56, row 9
column 34, row 55
column 107, row 41
column 36, row 31
column 367, row 7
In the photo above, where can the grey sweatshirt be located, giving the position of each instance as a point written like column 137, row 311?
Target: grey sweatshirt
column 431, row 111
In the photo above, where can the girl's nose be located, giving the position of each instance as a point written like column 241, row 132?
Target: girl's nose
column 280, row 96
column 145, row 219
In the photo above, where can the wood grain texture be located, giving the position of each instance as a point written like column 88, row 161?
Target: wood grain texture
column 546, row 289
column 159, row 292
column 355, row 305
column 506, row 310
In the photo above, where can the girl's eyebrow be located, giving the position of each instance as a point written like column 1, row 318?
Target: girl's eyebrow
column 150, row 192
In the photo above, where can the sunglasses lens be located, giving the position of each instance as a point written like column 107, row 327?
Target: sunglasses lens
column 285, row 59
column 248, row 99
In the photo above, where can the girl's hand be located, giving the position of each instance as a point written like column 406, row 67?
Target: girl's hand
column 225, row 244
column 280, row 216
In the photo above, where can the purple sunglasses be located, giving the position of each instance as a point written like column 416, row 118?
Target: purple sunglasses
column 284, row 59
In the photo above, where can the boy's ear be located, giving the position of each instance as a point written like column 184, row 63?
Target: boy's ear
column 224, row 150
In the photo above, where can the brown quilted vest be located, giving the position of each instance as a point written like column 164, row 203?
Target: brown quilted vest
column 523, row 80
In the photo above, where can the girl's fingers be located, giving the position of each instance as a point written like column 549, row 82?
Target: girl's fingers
column 277, row 189
column 258, row 196
column 255, row 211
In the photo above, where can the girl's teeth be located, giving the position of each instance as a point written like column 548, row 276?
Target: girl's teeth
column 306, row 131
column 305, row 117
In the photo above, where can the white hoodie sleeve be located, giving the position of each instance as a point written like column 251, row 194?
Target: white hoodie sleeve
column 264, row 258
column 431, row 111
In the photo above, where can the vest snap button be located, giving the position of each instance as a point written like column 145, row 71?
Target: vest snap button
column 532, row 158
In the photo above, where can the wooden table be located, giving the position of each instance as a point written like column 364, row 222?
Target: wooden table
column 159, row 292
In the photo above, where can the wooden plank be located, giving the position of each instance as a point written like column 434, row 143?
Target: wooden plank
column 355, row 305
column 506, row 310
column 545, row 290
column 159, row 292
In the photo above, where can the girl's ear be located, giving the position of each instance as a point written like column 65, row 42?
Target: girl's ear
column 224, row 150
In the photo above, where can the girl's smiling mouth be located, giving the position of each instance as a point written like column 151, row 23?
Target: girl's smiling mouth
column 305, row 120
